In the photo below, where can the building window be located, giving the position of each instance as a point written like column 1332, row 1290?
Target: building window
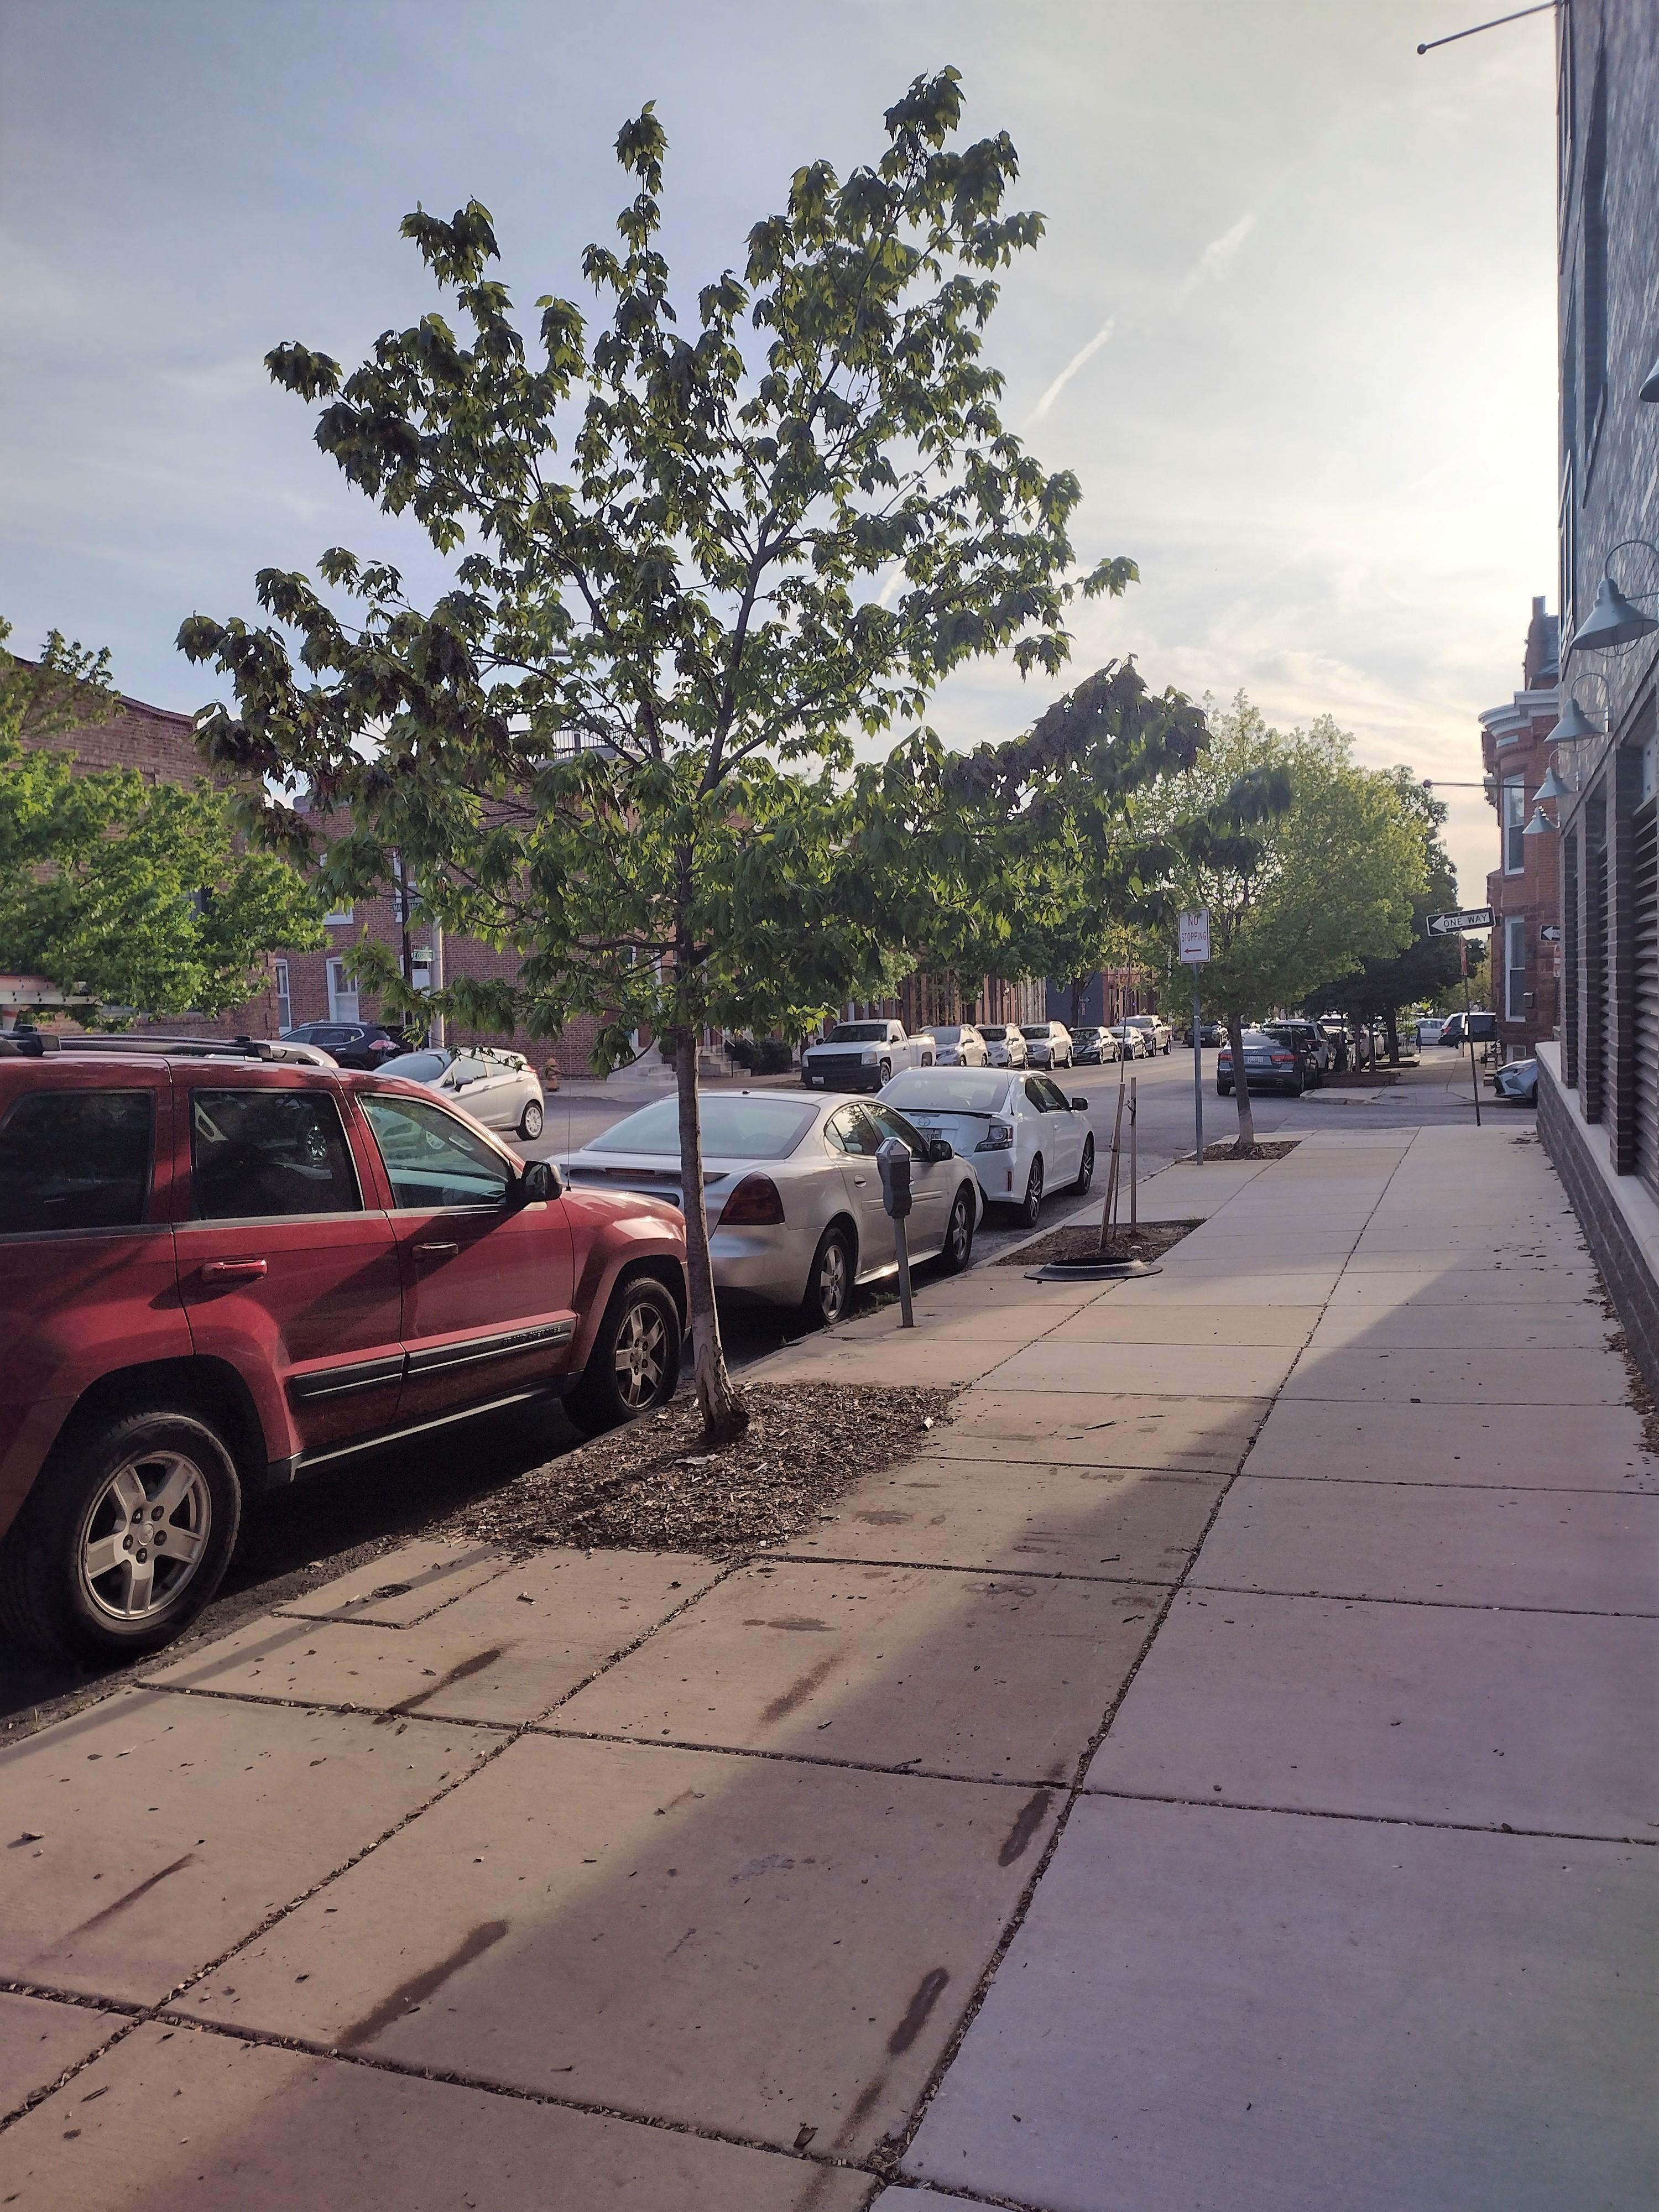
column 339, row 915
column 1515, row 824
column 341, row 993
column 1569, row 530
column 284, row 1001
column 1595, row 265
column 1515, row 970
column 1570, row 384
column 1564, row 94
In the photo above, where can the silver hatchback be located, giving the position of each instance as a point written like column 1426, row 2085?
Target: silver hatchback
column 500, row 1089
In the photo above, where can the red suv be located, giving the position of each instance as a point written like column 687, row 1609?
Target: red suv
column 219, row 1271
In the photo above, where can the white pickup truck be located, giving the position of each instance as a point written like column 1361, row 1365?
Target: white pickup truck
column 863, row 1056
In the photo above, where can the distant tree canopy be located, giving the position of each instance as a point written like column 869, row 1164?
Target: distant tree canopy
column 134, row 896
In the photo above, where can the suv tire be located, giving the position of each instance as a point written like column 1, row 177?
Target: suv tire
column 634, row 1364
column 159, row 1473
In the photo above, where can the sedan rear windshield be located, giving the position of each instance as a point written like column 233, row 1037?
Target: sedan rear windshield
column 733, row 1128
column 858, row 1033
column 417, row 1067
column 948, row 1091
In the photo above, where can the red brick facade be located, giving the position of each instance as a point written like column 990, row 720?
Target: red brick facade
column 1524, row 889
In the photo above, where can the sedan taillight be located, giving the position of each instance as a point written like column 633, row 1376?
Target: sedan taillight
column 754, row 1204
column 996, row 1139
column 1283, row 1059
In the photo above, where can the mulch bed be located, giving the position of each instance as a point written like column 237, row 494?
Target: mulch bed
column 652, row 1486
column 1082, row 1241
column 1272, row 1148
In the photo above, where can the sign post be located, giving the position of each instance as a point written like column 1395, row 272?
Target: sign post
column 1457, row 925
column 1194, row 930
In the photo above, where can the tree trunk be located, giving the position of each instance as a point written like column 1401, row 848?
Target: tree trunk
column 1076, row 1000
column 1241, row 1083
column 1391, row 1030
column 725, row 1416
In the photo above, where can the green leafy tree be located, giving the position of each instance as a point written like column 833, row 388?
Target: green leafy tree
column 133, row 896
column 694, row 560
column 1307, row 863
column 1427, row 967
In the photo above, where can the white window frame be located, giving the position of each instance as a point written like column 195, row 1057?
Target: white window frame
column 1514, row 822
column 339, row 916
column 1515, row 969
column 285, row 996
column 342, row 994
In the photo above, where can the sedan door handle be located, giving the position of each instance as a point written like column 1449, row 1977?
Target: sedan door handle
column 232, row 1271
column 436, row 1251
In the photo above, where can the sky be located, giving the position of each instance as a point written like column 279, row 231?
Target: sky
column 1292, row 324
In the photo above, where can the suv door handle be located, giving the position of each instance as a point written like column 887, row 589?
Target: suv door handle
column 436, row 1251
column 231, row 1271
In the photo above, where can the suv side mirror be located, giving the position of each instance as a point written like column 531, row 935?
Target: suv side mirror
column 539, row 1183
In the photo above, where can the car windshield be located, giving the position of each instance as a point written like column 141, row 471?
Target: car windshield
column 947, row 1090
column 733, row 1127
column 858, row 1033
column 946, row 1036
column 1038, row 1030
column 996, row 1033
column 418, row 1067
column 1142, row 1021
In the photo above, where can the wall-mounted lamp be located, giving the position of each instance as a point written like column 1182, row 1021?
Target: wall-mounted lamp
column 1553, row 787
column 1540, row 825
column 1650, row 387
column 1615, row 620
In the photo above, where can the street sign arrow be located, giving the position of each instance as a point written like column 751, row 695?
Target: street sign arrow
column 1551, row 932
column 1454, row 925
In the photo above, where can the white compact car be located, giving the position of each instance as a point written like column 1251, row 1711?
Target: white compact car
column 961, row 1046
column 794, row 1192
column 1022, row 1132
column 1048, row 1044
column 1006, row 1045
column 500, row 1089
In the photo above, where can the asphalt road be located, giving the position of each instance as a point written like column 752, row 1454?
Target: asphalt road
column 298, row 1539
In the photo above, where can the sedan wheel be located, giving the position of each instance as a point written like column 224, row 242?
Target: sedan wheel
column 830, row 1286
column 959, row 1236
column 1031, row 1204
column 531, row 1121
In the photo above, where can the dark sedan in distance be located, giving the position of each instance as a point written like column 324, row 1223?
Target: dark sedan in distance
column 1268, row 1065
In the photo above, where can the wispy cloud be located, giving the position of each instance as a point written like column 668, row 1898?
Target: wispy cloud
column 1083, row 354
column 1219, row 256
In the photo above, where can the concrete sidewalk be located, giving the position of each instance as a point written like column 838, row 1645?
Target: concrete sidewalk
column 1218, row 1772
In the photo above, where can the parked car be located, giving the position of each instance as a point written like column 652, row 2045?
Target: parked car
column 350, row 1044
column 794, row 1192
column 1133, row 1043
column 1516, row 1082
column 1269, row 1065
column 1451, row 1030
column 1307, row 1038
column 1431, row 1028
column 960, row 1047
column 1021, row 1134
column 1095, row 1047
column 1335, row 1030
column 1048, row 1044
column 219, row 1271
column 1006, row 1044
column 1155, row 1027
column 863, row 1056
column 500, row 1089
column 1209, row 1032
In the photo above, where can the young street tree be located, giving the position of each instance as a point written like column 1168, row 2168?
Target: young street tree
column 133, row 896
column 624, row 743
column 1307, row 863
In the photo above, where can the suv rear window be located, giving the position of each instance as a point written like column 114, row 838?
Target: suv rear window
column 258, row 1154
column 76, row 1160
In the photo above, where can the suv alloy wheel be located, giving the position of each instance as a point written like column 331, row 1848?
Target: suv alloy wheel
column 634, row 1364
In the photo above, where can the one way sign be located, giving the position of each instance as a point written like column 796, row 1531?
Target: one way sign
column 1454, row 925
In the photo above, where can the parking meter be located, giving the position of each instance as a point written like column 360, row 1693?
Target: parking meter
column 894, row 1160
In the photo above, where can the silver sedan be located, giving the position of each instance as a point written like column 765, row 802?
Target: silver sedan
column 500, row 1089
column 794, row 1192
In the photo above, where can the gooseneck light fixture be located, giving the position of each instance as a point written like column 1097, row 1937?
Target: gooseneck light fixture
column 1615, row 619
column 1552, row 787
column 1540, row 825
column 1574, row 725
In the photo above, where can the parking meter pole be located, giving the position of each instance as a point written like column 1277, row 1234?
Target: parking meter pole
column 1198, row 1079
column 902, row 1248
column 1135, row 1161
column 1474, row 1079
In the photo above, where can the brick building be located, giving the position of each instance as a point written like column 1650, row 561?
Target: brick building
column 1107, row 996
column 1524, row 889
column 1599, row 1091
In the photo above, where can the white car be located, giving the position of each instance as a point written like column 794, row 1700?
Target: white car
column 1022, row 1132
column 500, row 1089
column 1156, row 1029
column 961, row 1046
column 1048, row 1044
column 1005, row 1044
column 794, row 1192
